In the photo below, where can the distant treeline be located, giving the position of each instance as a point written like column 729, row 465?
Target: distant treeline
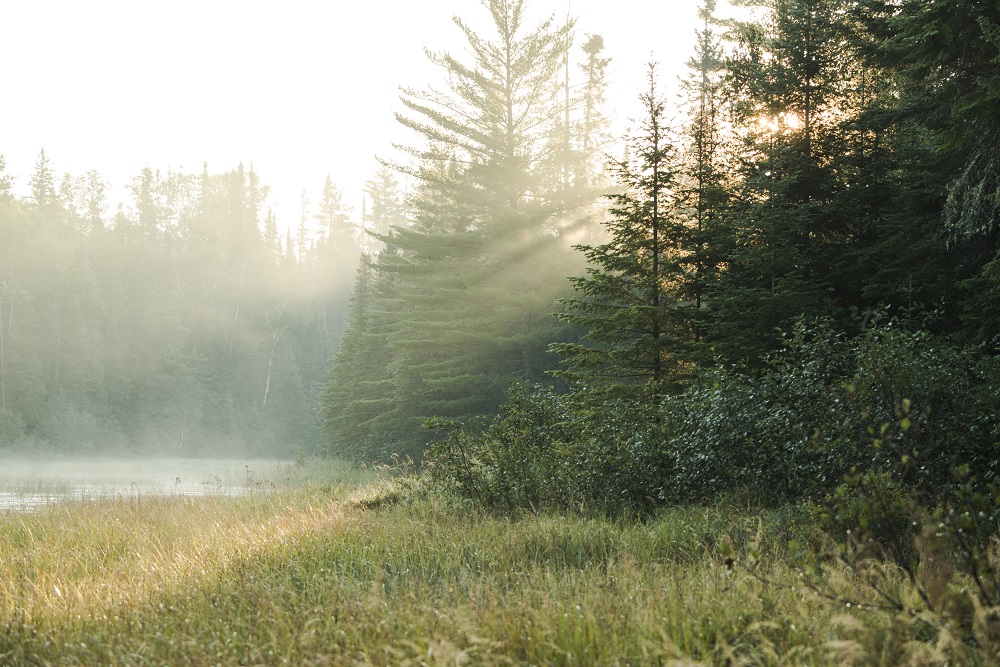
column 181, row 323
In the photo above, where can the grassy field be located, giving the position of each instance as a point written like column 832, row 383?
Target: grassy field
column 347, row 571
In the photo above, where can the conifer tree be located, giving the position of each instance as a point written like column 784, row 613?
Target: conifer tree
column 303, row 233
column 593, row 124
column 784, row 80
column 384, row 207
column 271, row 239
column 357, row 406
column 476, row 270
column 334, row 217
column 629, row 301
column 703, row 183
column 946, row 59
column 6, row 183
column 95, row 200
column 43, row 185
column 148, row 208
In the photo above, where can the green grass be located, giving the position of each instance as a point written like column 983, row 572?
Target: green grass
column 317, row 574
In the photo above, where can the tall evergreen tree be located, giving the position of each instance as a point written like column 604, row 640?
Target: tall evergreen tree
column 703, row 183
column 593, row 123
column 630, row 301
column 95, row 200
column 148, row 208
column 334, row 218
column 6, row 183
column 358, row 400
column 43, row 184
column 946, row 56
column 476, row 270
column 384, row 207
column 272, row 239
column 303, row 233
column 784, row 77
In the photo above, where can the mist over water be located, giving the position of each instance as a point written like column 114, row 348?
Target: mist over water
column 29, row 484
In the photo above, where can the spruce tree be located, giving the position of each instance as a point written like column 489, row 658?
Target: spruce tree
column 334, row 218
column 784, row 78
column 630, row 301
column 6, row 183
column 477, row 268
column 384, row 208
column 703, row 181
column 357, row 406
column 43, row 185
column 946, row 57
column 594, row 123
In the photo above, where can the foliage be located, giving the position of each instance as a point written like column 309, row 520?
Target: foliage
column 790, row 432
column 942, row 537
column 503, row 167
column 824, row 169
column 175, row 326
column 628, row 304
column 550, row 450
column 817, row 404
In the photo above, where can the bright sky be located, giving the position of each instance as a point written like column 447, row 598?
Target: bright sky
column 300, row 89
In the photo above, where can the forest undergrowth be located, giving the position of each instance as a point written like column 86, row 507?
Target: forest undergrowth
column 393, row 573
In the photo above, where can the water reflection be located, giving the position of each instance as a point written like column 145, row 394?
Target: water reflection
column 27, row 485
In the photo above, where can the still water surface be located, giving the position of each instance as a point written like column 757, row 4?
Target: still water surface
column 27, row 485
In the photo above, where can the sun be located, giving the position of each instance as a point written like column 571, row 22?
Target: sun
column 785, row 120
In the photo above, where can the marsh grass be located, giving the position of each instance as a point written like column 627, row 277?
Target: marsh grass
column 324, row 574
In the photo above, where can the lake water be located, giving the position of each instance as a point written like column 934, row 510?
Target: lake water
column 27, row 485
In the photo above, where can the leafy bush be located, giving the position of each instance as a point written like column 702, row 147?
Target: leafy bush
column 941, row 539
column 822, row 407
column 552, row 450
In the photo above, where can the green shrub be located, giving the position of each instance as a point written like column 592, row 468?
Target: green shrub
column 554, row 450
column 823, row 406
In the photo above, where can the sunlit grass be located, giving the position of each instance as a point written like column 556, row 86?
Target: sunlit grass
column 322, row 574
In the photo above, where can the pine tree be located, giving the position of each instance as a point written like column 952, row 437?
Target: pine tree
column 384, row 207
column 703, row 187
column 784, row 79
column 357, row 406
column 303, row 234
column 43, row 185
column 476, row 270
column 334, row 217
column 289, row 258
column 946, row 57
column 472, row 279
column 272, row 239
column 594, row 124
column 948, row 53
column 95, row 201
column 6, row 183
column 148, row 208
column 630, row 301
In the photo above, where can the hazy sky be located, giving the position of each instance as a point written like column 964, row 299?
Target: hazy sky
column 300, row 89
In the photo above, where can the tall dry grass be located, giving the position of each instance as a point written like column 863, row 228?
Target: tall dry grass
column 321, row 576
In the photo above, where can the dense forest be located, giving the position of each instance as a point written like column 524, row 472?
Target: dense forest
column 824, row 191
column 182, row 323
